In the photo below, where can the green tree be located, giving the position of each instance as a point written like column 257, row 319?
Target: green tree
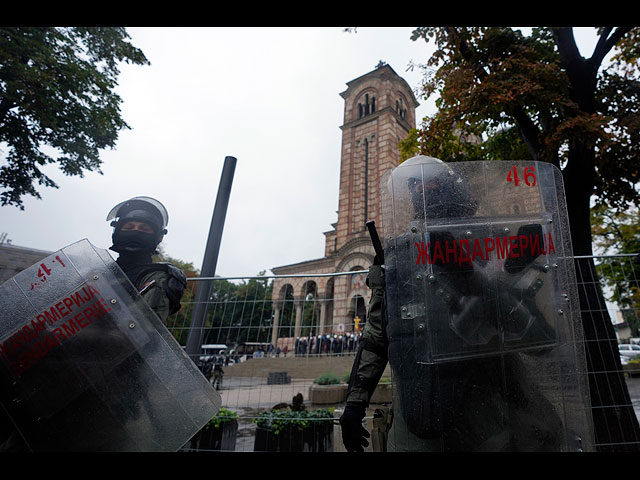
column 253, row 318
column 286, row 322
column 57, row 102
column 619, row 233
column 572, row 111
column 239, row 312
column 616, row 231
column 187, row 267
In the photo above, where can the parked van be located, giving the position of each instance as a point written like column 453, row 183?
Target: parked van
column 212, row 350
column 628, row 350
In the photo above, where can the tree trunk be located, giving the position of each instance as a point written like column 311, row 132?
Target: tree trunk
column 615, row 423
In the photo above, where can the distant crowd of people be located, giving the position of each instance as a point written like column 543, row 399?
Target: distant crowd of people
column 326, row 344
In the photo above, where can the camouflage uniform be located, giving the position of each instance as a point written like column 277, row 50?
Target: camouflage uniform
column 372, row 356
column 153, row 293
column 161, row 285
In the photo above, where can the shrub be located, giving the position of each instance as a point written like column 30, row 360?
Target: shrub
column 223, row 415
column 279, row 420
column 327, row 379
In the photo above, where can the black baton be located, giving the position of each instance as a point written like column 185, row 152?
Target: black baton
column 375, row 240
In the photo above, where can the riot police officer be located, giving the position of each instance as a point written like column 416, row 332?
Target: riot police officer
column 139, row 225
column 461, row 379
column 218, row 374
column 97, row 386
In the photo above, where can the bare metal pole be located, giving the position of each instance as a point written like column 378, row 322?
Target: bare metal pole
column 194, row 340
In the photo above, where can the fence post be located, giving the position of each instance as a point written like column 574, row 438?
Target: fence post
column 194, row 339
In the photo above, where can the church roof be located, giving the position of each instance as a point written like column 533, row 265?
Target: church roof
column 382, row 70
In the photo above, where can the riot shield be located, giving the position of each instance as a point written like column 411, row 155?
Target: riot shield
column 482, row 304
column 85, row 364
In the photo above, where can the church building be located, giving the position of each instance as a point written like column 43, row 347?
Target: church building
column 379, row 111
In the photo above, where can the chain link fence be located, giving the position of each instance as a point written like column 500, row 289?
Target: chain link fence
column 281, row 361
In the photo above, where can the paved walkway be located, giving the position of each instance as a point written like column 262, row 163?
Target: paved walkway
column 634, row 393
column 249, row 396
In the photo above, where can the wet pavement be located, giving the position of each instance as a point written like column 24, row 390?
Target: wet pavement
column 250, row 396
column 634, row 392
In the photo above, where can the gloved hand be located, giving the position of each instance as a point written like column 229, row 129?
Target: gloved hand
column 375, row 277
column 354, row 435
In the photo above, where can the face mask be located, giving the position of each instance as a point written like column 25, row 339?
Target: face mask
column 134, row 241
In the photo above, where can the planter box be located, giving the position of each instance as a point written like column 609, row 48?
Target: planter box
column 327, row 394
column 278, row 378
column 221, row 438
column 334, row 394
column 316, row 438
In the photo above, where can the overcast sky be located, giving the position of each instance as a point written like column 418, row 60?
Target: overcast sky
column 267, row 96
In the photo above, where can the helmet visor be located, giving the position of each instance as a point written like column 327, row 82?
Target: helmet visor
column 141, row 203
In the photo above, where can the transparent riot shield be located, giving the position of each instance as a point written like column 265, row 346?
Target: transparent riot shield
column 482, row 306
column 85, row 364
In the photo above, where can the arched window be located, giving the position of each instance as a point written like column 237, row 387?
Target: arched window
column 287, row 314
column 310, row 309
column 366, row 105
column 401, row 110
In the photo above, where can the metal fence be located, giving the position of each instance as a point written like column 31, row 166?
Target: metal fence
column 276, row 349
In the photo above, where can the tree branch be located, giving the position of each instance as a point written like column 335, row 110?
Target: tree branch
column 567, row 47
column 528, row 130
column 465, row 52
column 5, row 106
column 605, row 44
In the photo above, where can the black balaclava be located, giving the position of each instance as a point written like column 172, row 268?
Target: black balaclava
column 135, row 247
column 135, row 240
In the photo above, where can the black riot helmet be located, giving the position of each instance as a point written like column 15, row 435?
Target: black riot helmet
column 437, row 189
column 138, row 209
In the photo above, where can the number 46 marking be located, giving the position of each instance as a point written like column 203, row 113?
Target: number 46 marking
column 529, row 176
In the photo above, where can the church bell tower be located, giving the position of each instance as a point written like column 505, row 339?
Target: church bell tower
column 379, row 111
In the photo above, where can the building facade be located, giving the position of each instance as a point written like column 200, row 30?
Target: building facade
column 14, row 259
column 379, row 111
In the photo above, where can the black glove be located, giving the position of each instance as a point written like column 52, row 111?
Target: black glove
column 354, row 435
column 375, row 277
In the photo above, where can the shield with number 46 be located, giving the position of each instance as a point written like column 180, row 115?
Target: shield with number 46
column 85, row 364
column 480, row 282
